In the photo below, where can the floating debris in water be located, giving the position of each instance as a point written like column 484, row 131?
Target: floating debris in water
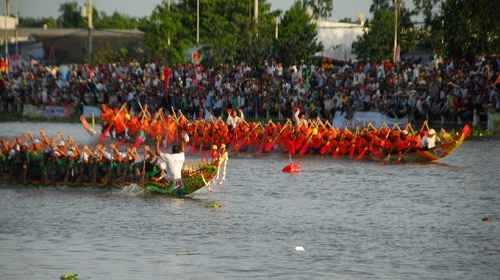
column 299, row 248
column 187, row 254
column 487, row 219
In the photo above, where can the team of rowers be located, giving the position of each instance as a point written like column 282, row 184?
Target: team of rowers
column 60, row 161
column 294, row 137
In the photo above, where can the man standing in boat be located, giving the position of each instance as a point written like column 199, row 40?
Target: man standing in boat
column 174, row 161
column 429, row 140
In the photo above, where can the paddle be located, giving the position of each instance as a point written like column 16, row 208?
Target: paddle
column 262, row 143
column 142, row 180
column 271, row 144
column 379, row 156
column 305, row 145
column 119, row 144
column 336, row 153
column 406, row 151
column 242, row 142
column 353, row 146
column 325, row 147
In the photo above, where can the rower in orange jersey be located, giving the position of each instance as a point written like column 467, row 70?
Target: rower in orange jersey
column 156, row 129
column 133, row 126
column 317, row 140
column 390, row 145
column 145, row 125
column 106, row 118
column 363, row 141
column 119, row 124
column 346, row 142
column 405, row 143
column 327, row 137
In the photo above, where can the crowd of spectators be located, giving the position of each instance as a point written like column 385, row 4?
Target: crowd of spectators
column 415, row 88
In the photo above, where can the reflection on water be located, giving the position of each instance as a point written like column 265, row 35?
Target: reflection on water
column 355, row 220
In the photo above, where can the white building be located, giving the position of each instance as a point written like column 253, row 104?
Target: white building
column 337, row 38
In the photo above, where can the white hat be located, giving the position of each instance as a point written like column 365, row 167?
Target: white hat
column 36, row 141
column 61, row 143
column 431, row 131
column 185, row 137
column 405, row 132
column 69, row 153
column 56, row 153
column 12, row 152
column 107, row 156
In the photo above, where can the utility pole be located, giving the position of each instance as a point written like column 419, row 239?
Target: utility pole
column 17, row 22
column 168, row 39
column 197, row 23
column 89, row 24
column 6, row 42
column 256, row 16
column 396, row 12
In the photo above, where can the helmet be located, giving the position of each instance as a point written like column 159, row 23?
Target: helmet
column 223, row 146
column 185, row 137
column 127, row 117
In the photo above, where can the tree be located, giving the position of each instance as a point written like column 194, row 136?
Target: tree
column 70, row 16
column 115, row 21
column 378, row 40
column 165, row 37
column 470, row 28
column 297, row 36
column 38, row 22
column 319, row 8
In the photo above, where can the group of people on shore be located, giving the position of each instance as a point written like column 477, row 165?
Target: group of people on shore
column 414, row 88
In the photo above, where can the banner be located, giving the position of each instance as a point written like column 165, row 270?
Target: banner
column 46, row 111
column 362, row 119
column 494, row 122
column 32, row 111
column 88, row 111
column 57, row 111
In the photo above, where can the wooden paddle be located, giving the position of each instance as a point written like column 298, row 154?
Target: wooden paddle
column 336, row 153
column 271, row 144
column 263, row 142
column 142, row 180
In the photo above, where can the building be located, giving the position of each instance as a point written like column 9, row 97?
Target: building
column 337, row 38
column 67, row 45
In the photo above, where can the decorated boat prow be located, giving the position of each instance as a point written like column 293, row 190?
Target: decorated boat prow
column 435, row 153
column 191, row 182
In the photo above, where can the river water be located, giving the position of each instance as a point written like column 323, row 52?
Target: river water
column 354, row 219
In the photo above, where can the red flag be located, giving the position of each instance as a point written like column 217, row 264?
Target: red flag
column 497, row 80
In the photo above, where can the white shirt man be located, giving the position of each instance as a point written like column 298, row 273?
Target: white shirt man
column 233, row 119
column 300, row 119
column 174, row 161
column 429, row 140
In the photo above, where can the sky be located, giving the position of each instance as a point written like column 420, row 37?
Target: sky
column 141, row 8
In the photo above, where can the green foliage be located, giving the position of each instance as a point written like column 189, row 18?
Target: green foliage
column 297, row 37
column 106, row 54
column 70, row 16
column 69, row 277
column 319, row 8
column 116, row 21
column 470, row 28
column 377, row 42
column 166, row 38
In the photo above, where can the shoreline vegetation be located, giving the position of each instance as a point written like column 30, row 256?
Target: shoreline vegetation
column 478, row 131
